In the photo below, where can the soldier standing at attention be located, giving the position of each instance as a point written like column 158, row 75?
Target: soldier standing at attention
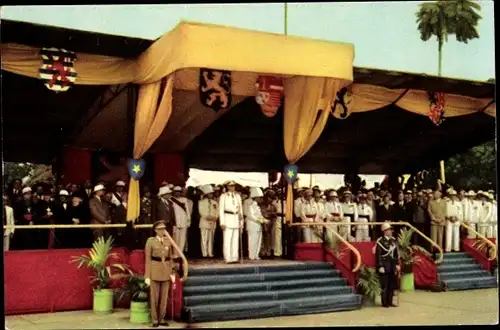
column 163, row 209
column 159, row 271
column 437, row 211
column 350, row 211
column 231, row 222
column 182, row 211
column 208, row 209
column 387, row 257
column 309, row 212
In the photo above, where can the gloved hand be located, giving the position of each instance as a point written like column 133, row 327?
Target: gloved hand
column 172, row 278
column 147, row 281
column 381, row 270
column 398, row 268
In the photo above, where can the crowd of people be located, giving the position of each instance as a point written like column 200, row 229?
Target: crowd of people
column 230, row 207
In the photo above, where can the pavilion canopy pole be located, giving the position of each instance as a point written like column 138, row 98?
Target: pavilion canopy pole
column 286, row 18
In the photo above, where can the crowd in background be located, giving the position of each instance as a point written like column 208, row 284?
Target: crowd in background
column 437, row 216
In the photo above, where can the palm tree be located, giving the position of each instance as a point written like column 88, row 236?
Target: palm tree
column 444, row 17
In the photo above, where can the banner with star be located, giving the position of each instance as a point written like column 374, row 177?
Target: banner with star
column 136, row 168
column 291, row 173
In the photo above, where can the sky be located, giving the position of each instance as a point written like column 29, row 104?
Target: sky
column 384, row 33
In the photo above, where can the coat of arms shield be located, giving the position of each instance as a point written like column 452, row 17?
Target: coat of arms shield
column 57, row 70
column 215, row 89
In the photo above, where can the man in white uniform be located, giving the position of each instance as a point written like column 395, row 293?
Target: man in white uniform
column 320, row 203
column 8, row 220
column 279, row 205
column 454, row 216
column 492, row 229
column 472, row 213
column 254, row 222
column 208, row 209
column 350, row 212
column 485, row 212
column 297, row 203
column 309, row 212
column 365, row 214
column 333, row 212
column 231, row 222
column 182, row 213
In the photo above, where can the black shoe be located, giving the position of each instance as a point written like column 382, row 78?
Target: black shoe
column 154, row 325
column 385, row 306
column 164, row 323
column 392, row 305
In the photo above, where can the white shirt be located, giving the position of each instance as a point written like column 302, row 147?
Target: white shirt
column 485, row 212
column 350, row 208
column 182, row 216
column 9, row 214
column 297, row 207
column 310, row 208
column 366, row 210
column 473, row 211
column 455, row 209
column 321, row 209
column 254, row 217
column 208, row 208
column 230, row 202
column 333, row 207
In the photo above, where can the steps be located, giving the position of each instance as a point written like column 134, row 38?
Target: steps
column 248, row 291
column 460, row 272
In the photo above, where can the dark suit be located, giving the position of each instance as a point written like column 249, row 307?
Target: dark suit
column 62, row 217
column 100, row 214
column 82, row 237
column 384, row 214
column 164, row 210
column 387, row 256
column 400, row 214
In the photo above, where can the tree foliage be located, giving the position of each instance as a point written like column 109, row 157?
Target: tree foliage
column 474, row 169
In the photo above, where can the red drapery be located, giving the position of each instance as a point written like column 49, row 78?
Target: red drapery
column 170, row 168
column 479, row 256
column 76, row 165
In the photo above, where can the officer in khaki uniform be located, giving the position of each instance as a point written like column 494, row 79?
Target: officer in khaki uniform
column 159, row 270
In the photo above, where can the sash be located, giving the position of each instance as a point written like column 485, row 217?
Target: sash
column 118, row 199
column 179, row 203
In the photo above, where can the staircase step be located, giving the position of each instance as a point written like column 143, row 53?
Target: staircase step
column 293, row 306
column 469, row 283
column 256, row 277
column 246, row 269
column 457, row 267
column 262, row 286
column 255, row 296
column 463, row 274
column 461, row 260
column 453, row 255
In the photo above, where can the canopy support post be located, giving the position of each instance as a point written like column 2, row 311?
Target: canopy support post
column 131, row 105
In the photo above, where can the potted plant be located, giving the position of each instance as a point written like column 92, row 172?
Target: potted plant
column 368, row 284
column 408, row 258
column 97, row 260
column 137, row 289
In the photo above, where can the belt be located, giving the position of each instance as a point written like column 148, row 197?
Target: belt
column 230, row 212
column 363, row 216
column 349, row 215
column 279, row 214
column 310, row 216
column 159, row 259
column 335, row 214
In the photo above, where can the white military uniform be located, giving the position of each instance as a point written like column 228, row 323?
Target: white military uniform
column 333, row 213
column 365, row 214
column 254, row 221
column 230, row 217
column 277, row 227
column 297, row 206
column 321, row 218
column 454, row 208
column 9, row 221
column 209, row 213
column 485, row 213
column 182, row 219
column 309, row 212
column 494, row 218
column 350, row 212
column 472, row 215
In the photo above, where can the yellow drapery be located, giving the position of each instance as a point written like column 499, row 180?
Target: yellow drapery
column 150, row 120
column 307, row 107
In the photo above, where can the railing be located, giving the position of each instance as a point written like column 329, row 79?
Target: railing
column 343, row 240
column 139, row 226
column 400, row 223
column 493, row 252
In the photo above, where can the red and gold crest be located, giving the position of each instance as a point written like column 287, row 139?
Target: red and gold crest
column 436, row 108
column 269, row 93
column 58, row 71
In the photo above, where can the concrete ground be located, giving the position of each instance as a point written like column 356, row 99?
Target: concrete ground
column 476, row 307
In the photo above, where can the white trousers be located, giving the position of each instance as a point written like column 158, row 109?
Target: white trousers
column 452, row 236
column 491, row 231
column 254, row 244
column 495, row 232
column 307, row 234
column 470, row 233
column 231, row 241
column 180, row 237
column 345, row 230
column 362, row 234
column 6, row 242
column 207, row 242
column 330, row 236
column 482, row 229
column 276, row 237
